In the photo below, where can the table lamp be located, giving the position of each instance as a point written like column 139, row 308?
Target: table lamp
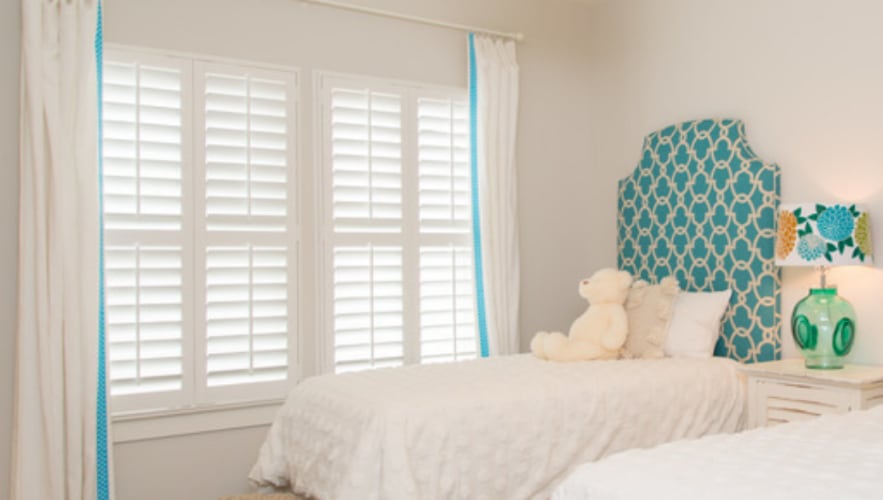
column 823, row 235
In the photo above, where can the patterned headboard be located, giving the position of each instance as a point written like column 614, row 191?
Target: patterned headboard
column 701, row 205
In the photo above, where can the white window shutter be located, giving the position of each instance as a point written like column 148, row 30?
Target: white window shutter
column 142, row 146
column 144, row 318
column 398, row 224
column 368, row 312
column 447, row 312
column 246, row 152
column 443, row 164
column 447, row 290
column 201, row 240
column 246, row 315
column 246, row 236
column 366, row 152
column 145, row 147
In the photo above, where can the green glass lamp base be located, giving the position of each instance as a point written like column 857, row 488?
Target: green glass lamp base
column 823, row 327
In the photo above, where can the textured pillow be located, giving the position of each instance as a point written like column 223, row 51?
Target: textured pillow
column 696, row 323
column 649, row 309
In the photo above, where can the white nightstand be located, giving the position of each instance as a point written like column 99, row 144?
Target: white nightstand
column 787, row 391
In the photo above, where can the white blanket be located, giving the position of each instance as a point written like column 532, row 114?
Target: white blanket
column 499, row 428
column 836, row 457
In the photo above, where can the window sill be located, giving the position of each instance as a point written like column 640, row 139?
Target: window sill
column 162, row 424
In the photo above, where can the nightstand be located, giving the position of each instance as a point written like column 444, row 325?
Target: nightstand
column 787, row 391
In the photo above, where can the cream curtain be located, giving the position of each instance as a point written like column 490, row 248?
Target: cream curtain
column 494, row 96
column 54, row 429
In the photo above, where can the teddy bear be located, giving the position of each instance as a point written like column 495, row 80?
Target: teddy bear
column 600, row 332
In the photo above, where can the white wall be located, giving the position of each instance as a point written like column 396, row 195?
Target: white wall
column 10, row 26
column 806, row 77
column 552, row 155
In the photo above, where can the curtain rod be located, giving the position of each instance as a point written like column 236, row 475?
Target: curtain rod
column 415, row 19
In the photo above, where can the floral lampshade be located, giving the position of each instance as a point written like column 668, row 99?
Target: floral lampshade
column 815, row 234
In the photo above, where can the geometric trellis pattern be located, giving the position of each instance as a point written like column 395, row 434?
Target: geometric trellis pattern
column 702, row 206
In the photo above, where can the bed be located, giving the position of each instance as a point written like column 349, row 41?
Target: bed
column 833, row 456
column 699, row 206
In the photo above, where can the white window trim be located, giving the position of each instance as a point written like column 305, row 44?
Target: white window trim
column 143, row 426
column 129, row 426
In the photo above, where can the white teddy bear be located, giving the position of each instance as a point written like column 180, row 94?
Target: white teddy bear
column 601, row 331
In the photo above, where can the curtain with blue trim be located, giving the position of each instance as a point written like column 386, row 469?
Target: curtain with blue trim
column 493, row 99
column 58, row 414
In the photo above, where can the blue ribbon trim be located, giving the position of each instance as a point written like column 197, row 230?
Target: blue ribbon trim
column 102, row 475
column 476, row 221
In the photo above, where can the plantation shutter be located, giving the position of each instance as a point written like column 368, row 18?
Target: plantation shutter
column 447, row 292
column 447, row 313
column 368, row 311
column 443, row 164
column 246, row 152
column 366, row 202
column 398, row 224
column 246, row 248
column 366, row 143
column 246, row 314
column 200, row 233
column 144, row 145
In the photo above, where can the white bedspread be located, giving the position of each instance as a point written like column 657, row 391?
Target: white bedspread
column 498, row 428
column 835, row 457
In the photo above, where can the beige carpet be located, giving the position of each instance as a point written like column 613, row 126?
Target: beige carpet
column 258, row 496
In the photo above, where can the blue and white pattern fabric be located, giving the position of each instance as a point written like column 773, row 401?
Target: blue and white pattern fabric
column 701, row 206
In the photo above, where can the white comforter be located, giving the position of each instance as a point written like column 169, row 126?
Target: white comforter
column 499, row 428
column 834, row 457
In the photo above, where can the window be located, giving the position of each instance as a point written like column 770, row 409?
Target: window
column 397, row 227
column 199, row 228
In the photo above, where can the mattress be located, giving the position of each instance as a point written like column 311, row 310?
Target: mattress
column 835, row 456
column 505, row 427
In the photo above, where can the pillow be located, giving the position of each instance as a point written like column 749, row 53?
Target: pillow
column 695, row 324
column 649, row 309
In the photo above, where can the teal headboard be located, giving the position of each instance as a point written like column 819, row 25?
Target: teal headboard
column 701, row 206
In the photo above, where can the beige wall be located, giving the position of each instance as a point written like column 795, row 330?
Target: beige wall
column 10, row 26
column 804, row 75
column 553, row 151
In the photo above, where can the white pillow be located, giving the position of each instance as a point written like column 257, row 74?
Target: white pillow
column 695, row 324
